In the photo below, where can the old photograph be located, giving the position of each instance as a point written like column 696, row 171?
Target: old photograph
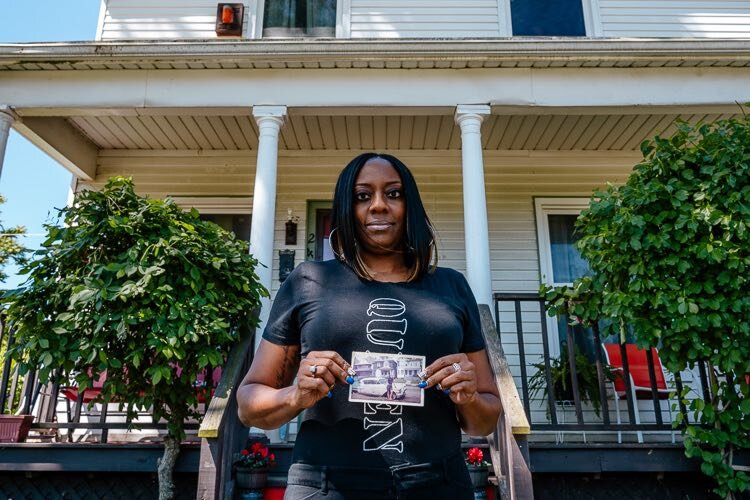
column 387, row 378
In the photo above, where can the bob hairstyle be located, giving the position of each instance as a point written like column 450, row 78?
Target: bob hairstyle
column 420, row 253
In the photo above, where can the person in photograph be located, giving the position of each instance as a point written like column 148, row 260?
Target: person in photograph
column 384, row 293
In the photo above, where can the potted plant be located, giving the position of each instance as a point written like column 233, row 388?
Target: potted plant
column 478, row 468
column 14, row 428
column 588, row 381
column 251, row 466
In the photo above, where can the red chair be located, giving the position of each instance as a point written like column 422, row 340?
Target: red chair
column 90, row 394
column 640, row 380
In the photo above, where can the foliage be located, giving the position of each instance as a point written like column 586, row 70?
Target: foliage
column 139, row 288
column 256, row 456
column 10, row 249
column 475, row 458
column 670, row 255
column 586, row 376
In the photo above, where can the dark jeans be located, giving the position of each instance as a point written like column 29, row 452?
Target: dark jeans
column 446, row 480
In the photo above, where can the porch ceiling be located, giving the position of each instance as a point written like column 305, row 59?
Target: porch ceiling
column 532, row 131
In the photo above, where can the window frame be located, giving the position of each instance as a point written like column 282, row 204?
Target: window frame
column 343, row 19
column 542, row 208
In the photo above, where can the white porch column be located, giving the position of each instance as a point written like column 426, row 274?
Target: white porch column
column 269, row 119
column 7, row 117
column 477, row 240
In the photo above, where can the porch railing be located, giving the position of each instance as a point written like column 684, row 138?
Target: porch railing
column 508, row 444
column 221, row 432
column 521, row 321
column 27, row 395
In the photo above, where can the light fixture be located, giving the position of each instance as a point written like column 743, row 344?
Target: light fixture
column 291, row 228
column 229, row 18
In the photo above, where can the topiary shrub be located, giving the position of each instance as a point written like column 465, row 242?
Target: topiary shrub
column 141, row 289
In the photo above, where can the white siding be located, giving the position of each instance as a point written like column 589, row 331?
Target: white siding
column 675, row 18
column 512, row 180
column 165, row 19
column 424, row 18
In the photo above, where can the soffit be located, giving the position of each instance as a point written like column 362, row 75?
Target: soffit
column 534, row 132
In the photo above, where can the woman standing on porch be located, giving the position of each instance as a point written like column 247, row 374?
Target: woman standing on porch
column 385, row 296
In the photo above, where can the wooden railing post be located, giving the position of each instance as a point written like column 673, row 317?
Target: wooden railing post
column 509, row 460
column 221, row 432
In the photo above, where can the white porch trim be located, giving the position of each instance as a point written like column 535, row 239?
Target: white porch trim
column 7, row 118
column 529, row 87
column 476, row 231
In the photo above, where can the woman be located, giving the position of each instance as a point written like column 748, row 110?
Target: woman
column 383, row 294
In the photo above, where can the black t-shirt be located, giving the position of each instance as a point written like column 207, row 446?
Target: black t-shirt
column 325, row 306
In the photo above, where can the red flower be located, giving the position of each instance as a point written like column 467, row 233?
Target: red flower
column 256, row 447
column 272, row 458
column 474, row 456
column 245, row 452
column 264, row 452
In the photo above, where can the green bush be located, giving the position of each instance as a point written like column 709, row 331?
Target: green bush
column 670, row 255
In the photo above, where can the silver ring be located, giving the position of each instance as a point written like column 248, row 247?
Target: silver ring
column 313, row 369
column 440, row 387
column 456, row 367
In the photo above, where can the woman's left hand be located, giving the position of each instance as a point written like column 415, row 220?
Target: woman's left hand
column 456, row 376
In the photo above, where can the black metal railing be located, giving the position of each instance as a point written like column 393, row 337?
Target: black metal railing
column 521, row 319
column 27, row 395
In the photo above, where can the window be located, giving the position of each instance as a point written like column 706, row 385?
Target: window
column 561, row 263
column 231, row 213
column 547, row 17
column 239, row 224
column 299, row 18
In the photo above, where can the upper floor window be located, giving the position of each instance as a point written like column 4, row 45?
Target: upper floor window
column 547, row 17
column 299, row 18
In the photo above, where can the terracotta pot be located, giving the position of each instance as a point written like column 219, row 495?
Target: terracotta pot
column 248, row 478
column 14, row 428
column 478, row 475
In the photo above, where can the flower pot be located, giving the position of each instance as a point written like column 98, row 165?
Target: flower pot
column 14, row 428
column 478, row 475
column 247, row 478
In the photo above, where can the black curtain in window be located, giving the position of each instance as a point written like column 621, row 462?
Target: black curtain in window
column 547, row 18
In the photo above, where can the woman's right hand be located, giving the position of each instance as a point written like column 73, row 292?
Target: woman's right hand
column 318, row 374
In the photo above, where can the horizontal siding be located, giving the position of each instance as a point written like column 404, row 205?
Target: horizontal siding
column 424, row 19
column 675, row 18
column 165, row 19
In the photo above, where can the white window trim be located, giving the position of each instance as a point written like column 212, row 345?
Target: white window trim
column 542, row 208
column 591, row 18
column 343, row 19
column 100, row 21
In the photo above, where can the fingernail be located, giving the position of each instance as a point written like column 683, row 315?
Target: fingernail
column 349, row 380
column 329, row 395
column 422, row 384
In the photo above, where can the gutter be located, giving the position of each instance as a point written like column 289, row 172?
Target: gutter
column 735, row 52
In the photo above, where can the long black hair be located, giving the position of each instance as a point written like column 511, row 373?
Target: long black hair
column 420, row 253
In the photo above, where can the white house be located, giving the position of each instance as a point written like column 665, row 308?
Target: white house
column 507, row 111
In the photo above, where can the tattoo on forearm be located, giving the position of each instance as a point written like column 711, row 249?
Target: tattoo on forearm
column 291, row 361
